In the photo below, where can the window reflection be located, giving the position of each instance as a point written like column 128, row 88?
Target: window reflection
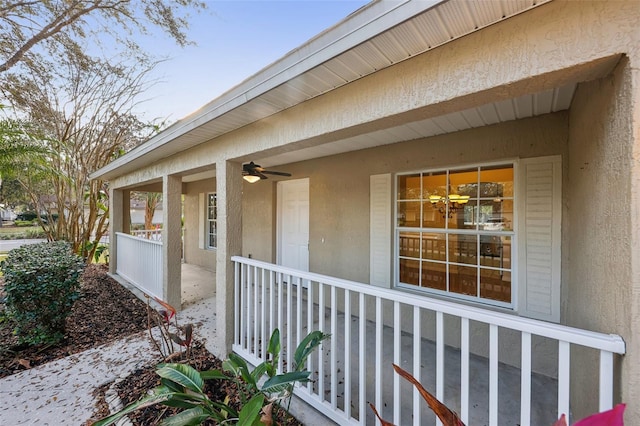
column 457, row 231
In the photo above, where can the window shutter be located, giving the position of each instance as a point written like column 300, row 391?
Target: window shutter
column 380, row 230
column 539, row 232
column 201, row 219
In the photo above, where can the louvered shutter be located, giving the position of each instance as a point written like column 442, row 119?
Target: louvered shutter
column 539, row 238
column 380, row 230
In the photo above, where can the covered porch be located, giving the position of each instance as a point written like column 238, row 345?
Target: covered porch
column 484, row 365
column 464, row 223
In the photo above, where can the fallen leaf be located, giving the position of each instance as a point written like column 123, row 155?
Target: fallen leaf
column 25, row 363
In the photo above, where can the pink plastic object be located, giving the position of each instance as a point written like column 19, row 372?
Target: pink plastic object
column 613, row 417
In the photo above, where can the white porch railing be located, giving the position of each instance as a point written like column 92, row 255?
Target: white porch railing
column 148, row 234
column 354, row 366
column 139, row 261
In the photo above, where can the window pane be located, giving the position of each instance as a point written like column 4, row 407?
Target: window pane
column 409, row 213
column 434, row 246
column 410, row 271
column 495, row 285
column 434, row 184
column 409, row 244
column 463, row 182
column 463, row 215
column 496, row 181
column 463, row 280
column 434, row 275
column 212, row 241
column 431, row 216
column 493, row 253
column 409, row 187
column 463, row 249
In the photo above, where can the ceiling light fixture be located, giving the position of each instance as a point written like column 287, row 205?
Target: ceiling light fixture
column 251, row 178
column 448, row 205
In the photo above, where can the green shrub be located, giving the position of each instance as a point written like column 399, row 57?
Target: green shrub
column 35, row 233
column 21, row 223
column 41, row 285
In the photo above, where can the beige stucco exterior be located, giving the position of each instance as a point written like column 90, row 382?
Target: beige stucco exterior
column 596, row 44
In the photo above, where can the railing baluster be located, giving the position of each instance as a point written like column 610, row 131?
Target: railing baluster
column 417, row 358
column 362, row 361
column 256, row 322
column 564, row 368
column 236, row 302
column 606, row 380
column 464, row 370
column 299, row 289
column 493, row 375
column 243, row 295
column 280, row 314
column 525, row 380
column 378, row 344
column 263, row 321
column 249, row 307
column 347, row 353
column 439, row 358
column 272, row 302
column 334, row 348
column 289, row 345
column 310, row 328
column 396, row 360
column 321, row 325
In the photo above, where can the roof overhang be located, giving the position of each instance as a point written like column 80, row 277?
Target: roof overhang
column 361, row 44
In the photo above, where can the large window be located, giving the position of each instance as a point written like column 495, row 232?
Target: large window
column 211, row 225
column 454, row 232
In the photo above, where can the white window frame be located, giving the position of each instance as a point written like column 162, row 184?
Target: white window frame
column 513, row 234
column 208, row 220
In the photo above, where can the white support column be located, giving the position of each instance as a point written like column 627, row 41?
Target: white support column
column 119, row 221
column 172, row 240
column 229, row 197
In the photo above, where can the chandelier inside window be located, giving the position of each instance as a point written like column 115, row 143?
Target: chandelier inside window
column 448, row 205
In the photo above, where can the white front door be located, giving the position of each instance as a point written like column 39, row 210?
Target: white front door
column 293, row 224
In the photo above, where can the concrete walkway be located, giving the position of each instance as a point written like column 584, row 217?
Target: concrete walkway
column 61, row 392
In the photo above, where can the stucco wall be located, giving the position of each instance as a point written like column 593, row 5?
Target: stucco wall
column 598, row 267
column 339, row 185
column 259, row 220
column 192, row 215
column 339, row 204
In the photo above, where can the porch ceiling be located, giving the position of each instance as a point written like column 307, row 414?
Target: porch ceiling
column 552, row 100
column 375, row 37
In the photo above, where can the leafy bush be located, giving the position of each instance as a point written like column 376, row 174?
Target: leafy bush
column 41, row 285
column 22, row 223
column 183, row 386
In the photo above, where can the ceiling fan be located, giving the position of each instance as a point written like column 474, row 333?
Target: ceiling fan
column 252, row 172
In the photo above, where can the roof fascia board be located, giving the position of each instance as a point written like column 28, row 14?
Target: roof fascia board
column 367, row 22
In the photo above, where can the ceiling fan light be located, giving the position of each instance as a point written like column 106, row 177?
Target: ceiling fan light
column 251, row 178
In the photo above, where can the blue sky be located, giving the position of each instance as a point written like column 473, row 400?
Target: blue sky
column 235, row 39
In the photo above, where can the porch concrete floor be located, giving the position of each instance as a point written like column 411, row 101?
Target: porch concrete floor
column 198, row 283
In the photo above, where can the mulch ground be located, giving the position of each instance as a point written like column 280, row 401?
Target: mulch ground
column 107, row 312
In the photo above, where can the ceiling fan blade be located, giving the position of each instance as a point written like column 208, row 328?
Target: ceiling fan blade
column 257, row 173
column 275, row 173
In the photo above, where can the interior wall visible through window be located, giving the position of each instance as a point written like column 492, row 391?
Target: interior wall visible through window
column 454, row 232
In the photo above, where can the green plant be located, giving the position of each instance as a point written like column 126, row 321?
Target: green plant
column 278, row 387
column 182, row 386
column 41, row 285
column 162, row 320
